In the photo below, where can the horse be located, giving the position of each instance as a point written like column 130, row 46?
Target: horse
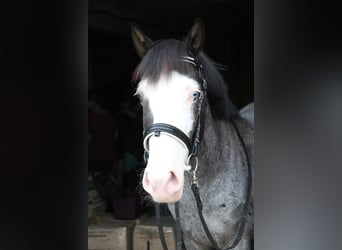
column 194, row 136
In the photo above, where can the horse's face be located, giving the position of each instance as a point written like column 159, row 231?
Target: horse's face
column 170, row 100
column 167, row 96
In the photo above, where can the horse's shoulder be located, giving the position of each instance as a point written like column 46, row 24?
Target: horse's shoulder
column 247, row 112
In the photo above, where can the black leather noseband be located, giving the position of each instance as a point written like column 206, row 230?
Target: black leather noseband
column 157, row 128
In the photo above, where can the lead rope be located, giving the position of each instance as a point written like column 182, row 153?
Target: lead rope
column 160, row 227
column 178, row 227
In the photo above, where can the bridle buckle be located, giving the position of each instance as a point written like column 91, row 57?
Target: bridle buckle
column 191, row 166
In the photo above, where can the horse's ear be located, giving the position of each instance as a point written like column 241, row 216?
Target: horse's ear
column 141, row 42
column 195, row 38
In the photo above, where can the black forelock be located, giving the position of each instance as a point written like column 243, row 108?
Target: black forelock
column 164, row 57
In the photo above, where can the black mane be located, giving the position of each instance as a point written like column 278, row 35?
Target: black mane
column 165, row 56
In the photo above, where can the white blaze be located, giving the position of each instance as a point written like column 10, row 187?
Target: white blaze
column 170, row 101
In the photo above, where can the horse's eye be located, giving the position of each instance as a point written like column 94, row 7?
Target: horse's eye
column 196, row 95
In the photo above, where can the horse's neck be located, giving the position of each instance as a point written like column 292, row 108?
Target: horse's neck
column 221, row 150
column 216, row 143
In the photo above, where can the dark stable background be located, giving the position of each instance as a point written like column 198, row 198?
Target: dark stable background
column 297, row 76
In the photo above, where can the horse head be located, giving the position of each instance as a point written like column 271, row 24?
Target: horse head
column 168, row 90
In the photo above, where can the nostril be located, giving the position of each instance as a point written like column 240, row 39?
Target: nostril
column 173, row 178
column 168, row 182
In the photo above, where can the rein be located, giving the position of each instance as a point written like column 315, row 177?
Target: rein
column 243, row 220
column 192, row 164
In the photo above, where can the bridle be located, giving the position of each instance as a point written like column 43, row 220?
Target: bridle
column 191, row 164
column 190, row 145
